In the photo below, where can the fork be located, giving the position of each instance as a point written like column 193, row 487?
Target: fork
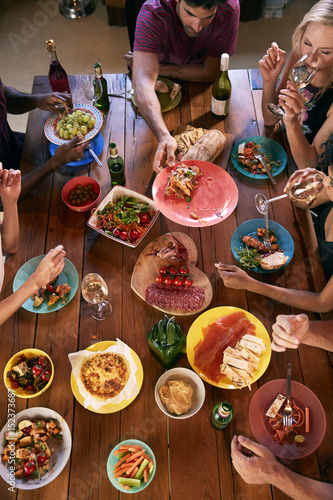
column 267, row 239
column 94, row 155
column 287, row 412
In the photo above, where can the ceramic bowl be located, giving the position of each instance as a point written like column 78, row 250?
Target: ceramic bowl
column 84, row 181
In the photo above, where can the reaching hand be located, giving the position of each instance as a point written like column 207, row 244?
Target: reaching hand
column 10, row 184
column 272, row 62
column 232, row 276
column 289, row 331
column 165, row 154
column 66, row 153
column 51, row 102
column 255, row 463
column 291, row 101
column 49, row 267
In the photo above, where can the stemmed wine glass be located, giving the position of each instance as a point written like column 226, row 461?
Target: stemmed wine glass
column 92, row 88
column 300, row 74
column 95, row 290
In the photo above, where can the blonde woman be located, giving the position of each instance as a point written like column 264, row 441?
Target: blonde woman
column 308, row 116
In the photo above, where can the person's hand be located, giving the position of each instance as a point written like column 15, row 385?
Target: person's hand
column 10, row 185
column 53, row 102
column 68, row 152
column 271, row 64
column 165, row 154
column 310, row 175
column 291, row 101
column 328, row 186
column 289, row 331
column 129, row 59
column 232, row 276
column 49, row 267
column 255, row 463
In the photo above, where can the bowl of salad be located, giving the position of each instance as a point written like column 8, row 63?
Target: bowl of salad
column 124, row 216
column 29, row 373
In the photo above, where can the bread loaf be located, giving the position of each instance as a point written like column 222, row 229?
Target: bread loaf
column 208, row 147
column 187, row 137
column 274, row 261
column 161, row 87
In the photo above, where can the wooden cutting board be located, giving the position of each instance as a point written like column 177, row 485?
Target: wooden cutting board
column 148, row 264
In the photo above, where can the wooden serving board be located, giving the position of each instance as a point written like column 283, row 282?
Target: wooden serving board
column 148, row 264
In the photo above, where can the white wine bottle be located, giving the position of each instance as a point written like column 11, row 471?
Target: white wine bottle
column 221, row 92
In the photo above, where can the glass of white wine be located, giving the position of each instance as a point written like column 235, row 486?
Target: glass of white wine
column 92, row 88
column 95, row 290
column 300, row 75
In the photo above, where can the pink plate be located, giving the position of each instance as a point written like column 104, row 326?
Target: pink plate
column 259, row 405
column 212, row 202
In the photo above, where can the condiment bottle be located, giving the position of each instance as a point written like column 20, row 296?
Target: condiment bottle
column 222, row 415
column 103, row 101
column 57, row 75
column 221, row 91
column 116, row 166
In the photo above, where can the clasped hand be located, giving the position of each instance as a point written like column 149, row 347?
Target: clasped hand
column 53, row 102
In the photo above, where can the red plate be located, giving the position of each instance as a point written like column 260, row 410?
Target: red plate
column 213, row 202
column 262, row 400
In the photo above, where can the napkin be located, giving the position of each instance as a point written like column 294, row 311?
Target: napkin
column 130, row 389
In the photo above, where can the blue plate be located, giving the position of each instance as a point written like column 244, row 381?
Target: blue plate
column 272, row 148
column 69, row 275
column 113, row 459
column 249, row 228
column 96, row 143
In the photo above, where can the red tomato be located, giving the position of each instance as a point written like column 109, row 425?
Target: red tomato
column 14, row 384
column 163, row 270
column 43, row 362
column 179, row 280
column 173, row 270
column 37, row 370
column 26, row 430
column 144, row 219
column 41, row 457
column 46, row 375
column 29, row 468
column 159, row 278
column 249, row 145
column 123, row 235
column 116, row 232
column 22, row 358
column 134, row 234
column 188, row 281
column 184, row 270
column 51, row 288
column 29, row 388
column 168, row 280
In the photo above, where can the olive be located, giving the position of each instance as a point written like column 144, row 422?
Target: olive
column 72, row 191
column 84, row 200
column 78, row 186
column 78, row 202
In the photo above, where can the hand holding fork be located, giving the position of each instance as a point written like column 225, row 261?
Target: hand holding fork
column 287, row 412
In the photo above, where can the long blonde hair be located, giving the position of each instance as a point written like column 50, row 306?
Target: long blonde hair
column 321, row 12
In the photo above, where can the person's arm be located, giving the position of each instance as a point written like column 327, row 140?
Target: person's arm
column 145, row 72
column 257, row 465
column 207, row 71
column 233, row 277
column 10, row 187
column 19, row 102
column 47, row 271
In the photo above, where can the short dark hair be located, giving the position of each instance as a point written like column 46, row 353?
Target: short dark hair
column 205, row 4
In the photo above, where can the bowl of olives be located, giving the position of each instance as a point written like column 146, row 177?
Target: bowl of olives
column 81, row 193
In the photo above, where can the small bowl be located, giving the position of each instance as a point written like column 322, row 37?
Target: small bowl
column 113, row 195
column 113, row 459
column 84, row 181
column 29, row 353
column 189, row 377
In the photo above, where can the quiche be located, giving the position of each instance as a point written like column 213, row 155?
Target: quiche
column 105, row 375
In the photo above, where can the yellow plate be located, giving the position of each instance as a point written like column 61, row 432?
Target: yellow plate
column 109, row 408
column 195, row 335
column 166, row 103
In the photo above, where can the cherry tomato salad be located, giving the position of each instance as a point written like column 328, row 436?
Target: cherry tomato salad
column 174, row 276
column 126, row 219
column 32, row 374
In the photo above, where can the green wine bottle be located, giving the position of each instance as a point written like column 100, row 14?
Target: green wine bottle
column 116, row 166
column 221, row 416
column 102, row 101
column 221, row 92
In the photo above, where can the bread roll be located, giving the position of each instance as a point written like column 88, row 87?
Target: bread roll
column 209, row 147
column 188, row 137
column 274, row 261
column 161, row 87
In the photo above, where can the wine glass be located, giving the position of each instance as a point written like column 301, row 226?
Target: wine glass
column 301, row 75
column 92, row 88
column 95, row 290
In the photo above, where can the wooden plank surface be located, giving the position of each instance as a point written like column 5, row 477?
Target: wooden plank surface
column 193, row 460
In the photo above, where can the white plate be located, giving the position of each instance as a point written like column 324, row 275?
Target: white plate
column 62, row 449
column 50, row 127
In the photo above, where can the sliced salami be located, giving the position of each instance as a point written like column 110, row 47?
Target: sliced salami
column 175, row 297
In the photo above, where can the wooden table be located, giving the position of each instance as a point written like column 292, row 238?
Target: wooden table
column 193, row 460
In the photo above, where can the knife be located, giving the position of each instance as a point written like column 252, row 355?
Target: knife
column 264, row 164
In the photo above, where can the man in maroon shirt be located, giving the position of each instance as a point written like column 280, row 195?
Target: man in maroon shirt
column 180, row 39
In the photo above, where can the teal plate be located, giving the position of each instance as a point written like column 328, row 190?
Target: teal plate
column 69, row 275
column 113, row 459
column 272, row 149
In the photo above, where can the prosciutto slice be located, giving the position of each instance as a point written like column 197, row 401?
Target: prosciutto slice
column 177, row 251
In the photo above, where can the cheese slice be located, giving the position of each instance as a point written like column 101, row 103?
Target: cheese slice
column 240, row 363
column 241, row 148
column 275, row 407
column 253, row 343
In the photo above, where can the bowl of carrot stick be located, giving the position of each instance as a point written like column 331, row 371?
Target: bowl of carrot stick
column 131, row 466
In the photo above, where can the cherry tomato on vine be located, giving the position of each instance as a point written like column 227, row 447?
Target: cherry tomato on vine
column 14, row 384
column 159, row 278
column 188, row 281
column 173, row 270
column 249, row 145
column 29, row 468
column 144, row 219
column 46, row 376
column 29, row 388
column 163, row 270
column 168, row 280
column 179, row 280
column 41, row 457
column 184, row 270
column 43, row 362
column 37, row 370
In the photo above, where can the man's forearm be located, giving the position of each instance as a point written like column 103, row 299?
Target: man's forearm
column 18, row 102
column 150, row 109
column 36, row 176
column 188, row 72
column 300, row 487
column 320, row 335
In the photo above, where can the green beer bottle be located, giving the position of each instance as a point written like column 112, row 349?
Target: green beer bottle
column 103, row 101
column 116, row 166
column 221, row 416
